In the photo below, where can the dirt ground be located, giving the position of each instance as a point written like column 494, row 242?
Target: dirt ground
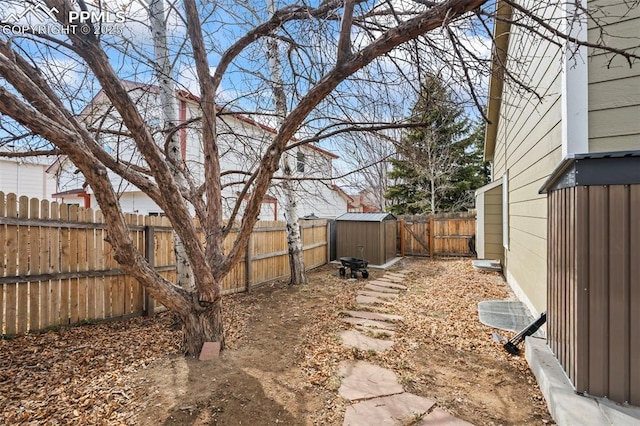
column 282, row 361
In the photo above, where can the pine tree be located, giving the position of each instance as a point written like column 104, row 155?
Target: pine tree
column 430, row 156
column 471, row 171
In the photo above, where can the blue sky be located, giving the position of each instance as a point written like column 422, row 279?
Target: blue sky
column 244, row 83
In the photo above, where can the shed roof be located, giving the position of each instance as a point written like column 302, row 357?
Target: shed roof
column 366, row 217
column 596, row 168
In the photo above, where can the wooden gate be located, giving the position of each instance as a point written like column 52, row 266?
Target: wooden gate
column 414, row 235
column 444, row 234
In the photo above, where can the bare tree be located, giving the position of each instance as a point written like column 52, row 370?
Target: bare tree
column 294, row 237
column 169, row 107
column 333, row 47
column 369, row 153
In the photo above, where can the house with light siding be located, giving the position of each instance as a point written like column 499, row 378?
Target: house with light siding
column 242, row 142
column 27, row 177
column 562, row 209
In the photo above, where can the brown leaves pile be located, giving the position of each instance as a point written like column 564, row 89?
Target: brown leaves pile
column 83, row 375
column 441, row 308
column 87, row 375
column 440, row 315
column 78, row 375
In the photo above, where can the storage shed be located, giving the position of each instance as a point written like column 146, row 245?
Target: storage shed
column 375, row 232
column 593, row 272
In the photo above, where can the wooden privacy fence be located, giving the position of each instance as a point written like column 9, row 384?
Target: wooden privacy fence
column 57, row 269
column 443, row 234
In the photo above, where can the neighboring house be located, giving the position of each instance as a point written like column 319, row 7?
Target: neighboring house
column 26, row 177
column 562, row 243
column 363, row 202
column 241, row 144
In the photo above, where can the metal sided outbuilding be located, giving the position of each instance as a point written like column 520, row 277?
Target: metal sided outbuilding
column 593, row 272
column 376, row 232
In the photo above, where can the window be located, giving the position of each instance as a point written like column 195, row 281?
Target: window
column 300, row 162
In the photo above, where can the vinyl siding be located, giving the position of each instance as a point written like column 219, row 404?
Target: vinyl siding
column 241, row 146
column 489, row 222
column 136, row 202
column 529, row 145
column 28, row 179
column 614, row 86
column 493, row 224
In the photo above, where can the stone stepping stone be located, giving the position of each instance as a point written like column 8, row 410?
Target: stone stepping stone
column 378, row 294
column 368, row 300
column 389, row 285
column 377, row 332
column 361, row 379
column 373, row 316
column 441, row 417
column 381, row 288
column 209, row 351
column 355, row 339
column 389, row 410
column 392, row 279
column 370, row 323
column 396, row 275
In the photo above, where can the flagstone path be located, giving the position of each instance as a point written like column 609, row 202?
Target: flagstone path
column 376, row 395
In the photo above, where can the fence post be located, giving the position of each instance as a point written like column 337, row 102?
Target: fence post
column 431, row 237
column 328, row 239
column 247, row 265
column 149, row 248
column 402, row 237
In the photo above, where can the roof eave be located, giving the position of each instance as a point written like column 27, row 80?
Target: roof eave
column 501, row 30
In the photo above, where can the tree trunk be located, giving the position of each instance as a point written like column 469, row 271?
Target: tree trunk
column 294, row 239
column 433, row 196
column 202, row 323
column 168, row 120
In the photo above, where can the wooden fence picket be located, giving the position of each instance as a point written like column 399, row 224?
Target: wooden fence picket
column 56, row 267
column 44, row 301
column 11, row 292
column 23, row 267
column 55, row 284
column 34, row 266
column 3, row 263
column 444, row 234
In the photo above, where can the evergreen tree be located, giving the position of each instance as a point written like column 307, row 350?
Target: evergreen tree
column 471, row 171
column 425, row 162
column 440, row 163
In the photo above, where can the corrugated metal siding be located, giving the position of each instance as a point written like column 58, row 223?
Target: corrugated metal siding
column 390, row 242
column 594, row 288
column 378, row 238
column 354, row 234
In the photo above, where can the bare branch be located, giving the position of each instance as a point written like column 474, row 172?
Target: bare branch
column 344, row 42
column 30, row 153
